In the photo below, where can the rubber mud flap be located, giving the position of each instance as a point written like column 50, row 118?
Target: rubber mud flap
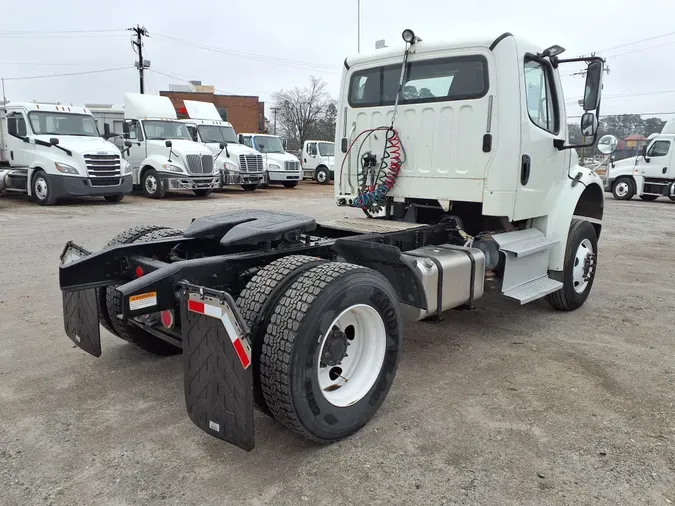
column 80, row 319
column 218, row 377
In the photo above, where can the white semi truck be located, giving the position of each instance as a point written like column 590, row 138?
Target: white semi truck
column 238, row 164
column 162, row 154
column 318, row 161
column 53, row 151
column 470, row 186
column 649, row 175
column 282, row 167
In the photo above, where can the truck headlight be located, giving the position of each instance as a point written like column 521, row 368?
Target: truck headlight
column 274, row 166
column 66, row 169
column 126, row 168
column 172, row 168
column 230, row 167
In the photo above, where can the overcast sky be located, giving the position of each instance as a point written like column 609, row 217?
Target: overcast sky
column 306, row 37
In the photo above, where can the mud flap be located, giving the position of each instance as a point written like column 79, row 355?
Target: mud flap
column 80, row 319
column 218, row 377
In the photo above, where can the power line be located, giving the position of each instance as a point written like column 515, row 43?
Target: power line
column 185, row 80
column 67, row 74
column 624, row 95
column 641, row 49
column 632, row 114
column 315, row 67
column 637, row 42
column 58, row 64
column 54, row 32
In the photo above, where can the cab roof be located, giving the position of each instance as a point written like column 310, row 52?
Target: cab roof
column 36, row 106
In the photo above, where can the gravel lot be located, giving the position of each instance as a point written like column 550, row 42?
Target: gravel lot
column 503, row 405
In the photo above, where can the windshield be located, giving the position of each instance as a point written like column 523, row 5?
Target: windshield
column 266, row 144
column 58, row 123
column 162, row 130
column 326, row 149
column 212, row 133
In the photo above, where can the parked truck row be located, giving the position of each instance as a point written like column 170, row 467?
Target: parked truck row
column 53, row 151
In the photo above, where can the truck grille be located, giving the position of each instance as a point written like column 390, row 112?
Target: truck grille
column 251, row 163
column 292, row 165
column 105, row 181
column 107, row 166
column 199, row 164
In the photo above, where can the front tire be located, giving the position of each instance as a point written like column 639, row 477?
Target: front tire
column 152, row 185
column 579, row 267
column 202, row 192
column 42, row 192
column 291, row 184
column 331, row 351
column 322, row 175
column 249, row 187
column 114, row 198
column 623, row 189
column 649, row 198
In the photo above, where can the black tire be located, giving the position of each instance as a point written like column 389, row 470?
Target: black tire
column 114, row 198
column 152, row 185
column 567, row 298
column 623, row 188
column 290, row 184
column 322, row 175
column 289, row 356
column 257, row 301
column 202, row 192
column 126, row 237
column 672, row 198
column 249, row 187
column 42, row 192
column 649, row 198
column 130, row 332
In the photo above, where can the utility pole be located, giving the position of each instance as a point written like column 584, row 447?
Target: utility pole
column 274, row 111
column 141, row 64
column 358, row 26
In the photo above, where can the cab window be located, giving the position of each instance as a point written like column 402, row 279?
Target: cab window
column 246, row 141
column 659, row 148
column 541, row 101
column 16, row 124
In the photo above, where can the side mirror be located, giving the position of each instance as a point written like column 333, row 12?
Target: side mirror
column 644, row 153
column 168, row 144
column 593, row 86
column 607, row 144
column 125, row 128
column 128, row 144
column 221, row 145
column 106, row 131
column 589, row 124
column 54, row 141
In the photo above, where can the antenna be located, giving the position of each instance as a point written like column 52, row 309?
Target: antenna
column 4, row 98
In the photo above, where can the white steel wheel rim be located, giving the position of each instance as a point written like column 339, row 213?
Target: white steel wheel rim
column 621, row 189
column 584, row 254
column 360, row 368
column 321, row 176
column 151, row 184
column 41, row 189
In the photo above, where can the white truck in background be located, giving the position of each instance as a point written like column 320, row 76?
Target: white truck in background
column 649, row 175
column 53, row 151
column 318, row 161
column 238, row 164
column 161, row 151
column 282, row 167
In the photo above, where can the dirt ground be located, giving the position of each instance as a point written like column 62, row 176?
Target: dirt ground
column 504, row 405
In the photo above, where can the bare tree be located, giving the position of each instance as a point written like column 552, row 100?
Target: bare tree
column 300, row 109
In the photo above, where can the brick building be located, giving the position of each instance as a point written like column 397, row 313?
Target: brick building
column 246, row 113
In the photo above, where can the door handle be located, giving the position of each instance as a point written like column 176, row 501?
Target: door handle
column 525, row 170
column 664, row 170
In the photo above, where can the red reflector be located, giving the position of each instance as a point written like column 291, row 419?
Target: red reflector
column 241, row 353
column 167, row 318
column 139, row 271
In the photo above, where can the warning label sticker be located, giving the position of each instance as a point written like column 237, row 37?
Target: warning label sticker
column 142, row 300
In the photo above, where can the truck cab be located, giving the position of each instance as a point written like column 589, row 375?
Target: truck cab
column 161, row 151
column 649, row 175
column 318, row 161
column 238, row 164
column 281, row 167
column 53, row 151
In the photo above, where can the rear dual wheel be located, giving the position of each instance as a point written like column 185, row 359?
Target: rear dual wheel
column 326, row 339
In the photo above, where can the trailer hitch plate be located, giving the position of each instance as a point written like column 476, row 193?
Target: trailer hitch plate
column 218, row 377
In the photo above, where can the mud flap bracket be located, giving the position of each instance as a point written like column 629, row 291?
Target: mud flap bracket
column 218, row 377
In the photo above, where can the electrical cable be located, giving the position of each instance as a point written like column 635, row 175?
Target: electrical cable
column 67, row 74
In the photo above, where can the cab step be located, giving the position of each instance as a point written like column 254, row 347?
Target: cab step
column 534, row 290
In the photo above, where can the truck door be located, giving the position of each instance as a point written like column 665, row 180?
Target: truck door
column 20, row 152
column 542, row 166
column 137, row 152
column 659, row 154
column 310, row 156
